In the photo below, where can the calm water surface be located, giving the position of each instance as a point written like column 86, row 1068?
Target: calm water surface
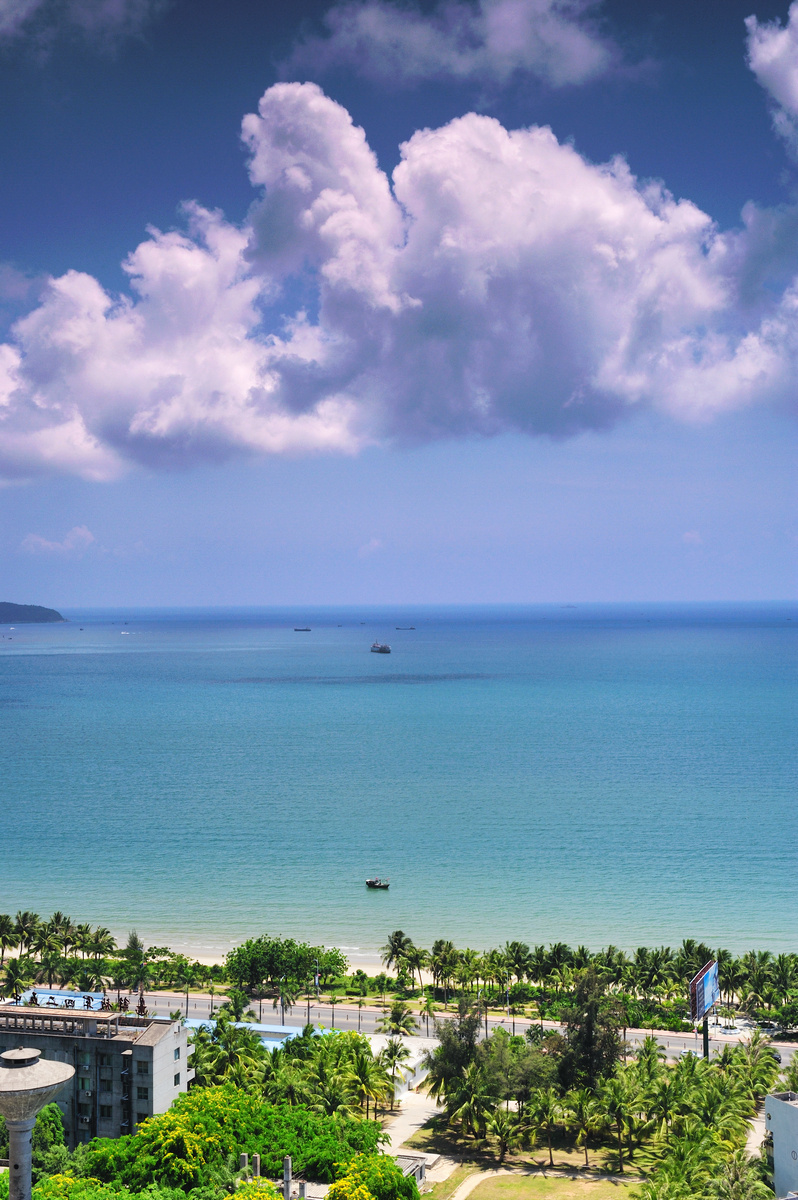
column 590, row 774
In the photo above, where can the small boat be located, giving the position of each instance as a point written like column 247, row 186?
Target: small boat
column 405, row 627
column 381, row 884
column 380, row 648
column 302, row 629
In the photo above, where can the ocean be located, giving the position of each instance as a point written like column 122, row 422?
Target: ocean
column 586, row 774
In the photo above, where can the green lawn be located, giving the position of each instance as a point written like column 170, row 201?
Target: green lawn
column 537, row 1187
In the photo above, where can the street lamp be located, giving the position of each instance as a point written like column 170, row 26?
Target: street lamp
column 27, row 1083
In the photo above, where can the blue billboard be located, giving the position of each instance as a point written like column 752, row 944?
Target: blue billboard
column 704, row 991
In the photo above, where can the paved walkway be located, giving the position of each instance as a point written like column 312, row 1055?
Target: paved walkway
column 417, row 1108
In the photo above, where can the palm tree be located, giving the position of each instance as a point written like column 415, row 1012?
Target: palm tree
column 49, row 967
column 738, row 1180
column 544, row 1112
column 236, row 1007
column 334, row 999
column 470, row 1101
column 505, row 1128
column 186, row 979
column 26, row 925
column 369, row 1077
column 102, row 943
column 45, row 941
column 617, row 1101
column 398, row 1021
column 286, row 998
column 395, row 949
column 416, row 959
column 395, row 1052
column 8, row 936
column 583, row 1113
column 17, row 975
column 82, row 939
column 428, row 1009
column 235, row 1052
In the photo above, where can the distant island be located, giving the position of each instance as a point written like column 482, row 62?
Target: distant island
column 27, row 614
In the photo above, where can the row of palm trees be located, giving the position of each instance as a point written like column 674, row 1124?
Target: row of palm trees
column 684, row 1125
column 754, row 980
column 334, row 1075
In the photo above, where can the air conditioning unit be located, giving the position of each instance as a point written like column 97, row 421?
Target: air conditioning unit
column 86, row 1093
column 83, row 1120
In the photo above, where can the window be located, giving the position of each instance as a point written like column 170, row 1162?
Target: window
column 177, row 1054
column 104, row 1060
column 142, row 1093
column 141, row 1117
column 142, row 1067
column 84, row 1060
column 106, row 1112
column 177, row 1079
column 106, row 1085
column 84, row 1083
column 84, row 1110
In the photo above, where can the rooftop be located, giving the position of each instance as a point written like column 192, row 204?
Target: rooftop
column 80, row 1023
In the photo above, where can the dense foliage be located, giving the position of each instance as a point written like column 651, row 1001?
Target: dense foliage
column 372, row 1177
column 188, row 1145
column 684, row 1126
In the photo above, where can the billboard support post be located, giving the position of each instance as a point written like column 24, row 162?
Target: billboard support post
column 706, row 1037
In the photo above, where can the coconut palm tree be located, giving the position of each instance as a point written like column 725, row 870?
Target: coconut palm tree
column 395, row 949
column 8, row 936
column 416, row 959
column 399, row 1020
column 582, row 1113
column 102, row 943
column 470, row 1101
column 186, row 979
column 395, row 1052
column 506, row 1129
column 17, row 975
column 428, row 1009
column 26, row 925
column 618, row 1103
column 738, row 1180
column 286, row 997
column 82, row 939
column 543, row 1112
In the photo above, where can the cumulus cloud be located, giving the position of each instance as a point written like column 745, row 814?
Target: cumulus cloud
column 692, row 538
column 498, row 282
column 101, row 20
column 76, row 542
column 487, row 41
column 773, row 57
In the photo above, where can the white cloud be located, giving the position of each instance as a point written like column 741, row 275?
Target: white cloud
column 486, row 41
column 502, row 282
column 76, row 542
column 370, row 547
column 692, row 538
column 101, row 20
column 773, row 57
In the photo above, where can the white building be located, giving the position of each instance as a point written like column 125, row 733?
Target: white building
column 126, row 1067
column 781, row 1122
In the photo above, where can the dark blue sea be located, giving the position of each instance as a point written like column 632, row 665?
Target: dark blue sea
column 589, row 774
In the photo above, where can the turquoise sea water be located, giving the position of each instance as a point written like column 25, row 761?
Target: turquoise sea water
column 591, row 774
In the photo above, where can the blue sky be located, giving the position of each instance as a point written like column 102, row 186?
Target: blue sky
column 546, row 351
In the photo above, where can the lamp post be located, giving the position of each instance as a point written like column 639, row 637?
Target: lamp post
column 27, row 1083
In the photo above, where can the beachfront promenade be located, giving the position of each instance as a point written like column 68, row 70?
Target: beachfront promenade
column 347, row 1016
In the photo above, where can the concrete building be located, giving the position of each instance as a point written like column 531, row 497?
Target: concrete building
column 781, row 1144
column 126, row 1067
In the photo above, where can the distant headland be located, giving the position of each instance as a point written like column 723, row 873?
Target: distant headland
column 27, row 614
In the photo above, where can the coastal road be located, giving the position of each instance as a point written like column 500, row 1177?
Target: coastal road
column 347, row 1016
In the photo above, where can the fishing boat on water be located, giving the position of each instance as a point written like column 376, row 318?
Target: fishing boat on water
column 380, row 648
column 381, row 884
